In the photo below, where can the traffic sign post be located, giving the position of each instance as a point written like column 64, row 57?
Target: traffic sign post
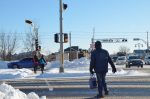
column 112, row 40
column 108, row 40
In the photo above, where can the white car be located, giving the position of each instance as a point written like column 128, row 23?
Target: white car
column 121, row 60
column 147, row 59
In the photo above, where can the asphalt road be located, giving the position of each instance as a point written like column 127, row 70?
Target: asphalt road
column 72, row 88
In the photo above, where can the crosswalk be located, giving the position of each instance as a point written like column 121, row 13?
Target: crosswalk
column 78, row 88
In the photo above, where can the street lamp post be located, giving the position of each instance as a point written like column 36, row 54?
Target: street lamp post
column 146, row 42
column 137, row 39
column 138, row 45
column 35, row 30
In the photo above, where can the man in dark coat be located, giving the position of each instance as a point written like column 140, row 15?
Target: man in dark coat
column 99, row 62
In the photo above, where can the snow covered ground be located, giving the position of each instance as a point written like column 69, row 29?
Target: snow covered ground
column 74, row 69
column 77, row 68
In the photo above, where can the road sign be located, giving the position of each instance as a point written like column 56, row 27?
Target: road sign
column 112, row 40
column 136, row 39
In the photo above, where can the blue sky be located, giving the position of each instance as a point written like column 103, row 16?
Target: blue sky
column 110, row 18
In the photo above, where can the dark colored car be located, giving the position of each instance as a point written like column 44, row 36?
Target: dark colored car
column 134, row 61
column 24, row 63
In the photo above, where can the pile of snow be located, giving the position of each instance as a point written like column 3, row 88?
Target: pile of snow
column 72, row 69
column 77, row 66
column 8, row 92
column 15, row 73
column 121, row 72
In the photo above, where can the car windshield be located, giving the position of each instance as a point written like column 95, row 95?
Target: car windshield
column 121, row 58
column 26, row 59
column 114, row 57
column 134, row 57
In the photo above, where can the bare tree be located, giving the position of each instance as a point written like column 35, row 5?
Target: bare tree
column 7, row 45
column 2, row 46
column 29, row 42
column 124, row 49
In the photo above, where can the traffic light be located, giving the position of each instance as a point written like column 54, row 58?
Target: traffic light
column 65, row 6
column 39, row 48
column 36, row 44
column 56, row 38
column 65, row 37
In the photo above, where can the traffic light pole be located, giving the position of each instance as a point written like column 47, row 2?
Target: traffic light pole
column 35, row 29
column 61, row 69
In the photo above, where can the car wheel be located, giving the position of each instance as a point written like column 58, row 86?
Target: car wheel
column 16, row 66
column 141, row 66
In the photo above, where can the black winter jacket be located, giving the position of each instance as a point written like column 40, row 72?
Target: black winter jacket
column 99, row 61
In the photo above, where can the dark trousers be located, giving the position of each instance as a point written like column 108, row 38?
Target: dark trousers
column 35, row 68
column 42, row 68
column 101, row 83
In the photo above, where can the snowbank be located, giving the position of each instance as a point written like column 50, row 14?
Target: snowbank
column 72, row 69
column 8, row 92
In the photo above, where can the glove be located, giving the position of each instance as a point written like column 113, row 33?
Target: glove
column 92, row 72
column 114, row 70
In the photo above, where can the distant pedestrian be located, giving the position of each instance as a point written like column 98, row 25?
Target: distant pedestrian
column 36, row 63
column 42, row 63
column 99, row 62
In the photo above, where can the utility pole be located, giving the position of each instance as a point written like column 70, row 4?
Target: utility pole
column 61, row 69
column 147, row 41
column 93, row 38
column 70, row 38
column 70, row 46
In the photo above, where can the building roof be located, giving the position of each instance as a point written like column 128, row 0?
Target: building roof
column 72, row 48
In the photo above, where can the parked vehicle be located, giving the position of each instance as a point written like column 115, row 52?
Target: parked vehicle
column 134, row 60
column 114, row 58
column 24, row 63
column 141, row 53
column 121, row 60
column 147, row 59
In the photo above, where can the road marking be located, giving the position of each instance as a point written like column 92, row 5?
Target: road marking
column 81, row 86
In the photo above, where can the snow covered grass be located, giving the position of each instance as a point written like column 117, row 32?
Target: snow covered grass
column 76, row 68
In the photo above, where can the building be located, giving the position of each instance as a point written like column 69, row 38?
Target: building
column 72, row 52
